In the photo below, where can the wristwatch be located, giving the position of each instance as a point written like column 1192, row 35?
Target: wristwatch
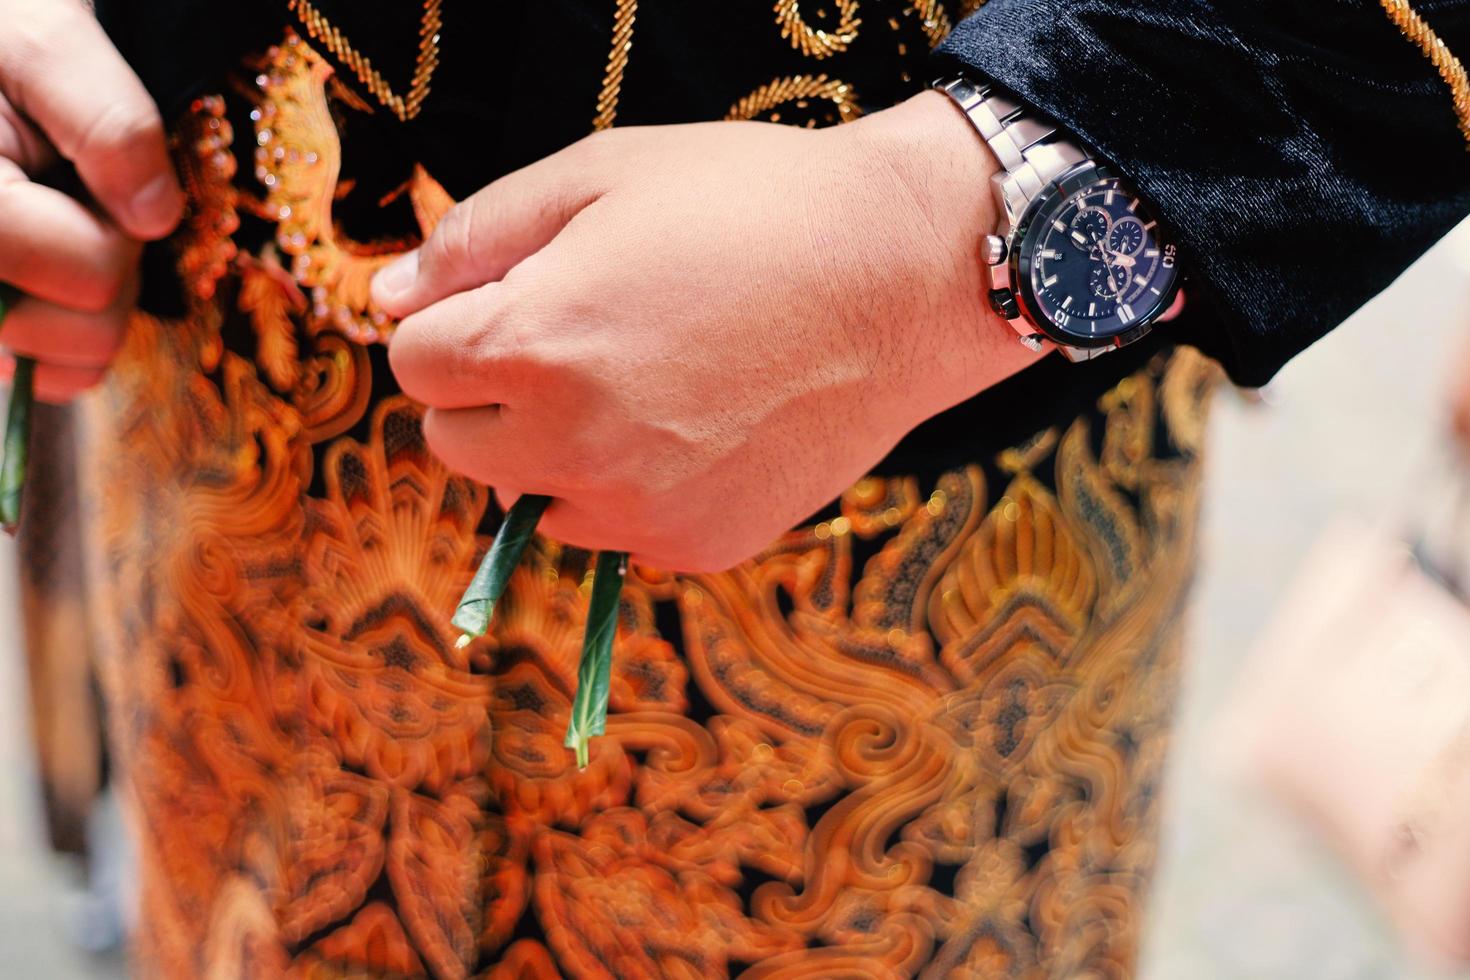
column 1079, row 258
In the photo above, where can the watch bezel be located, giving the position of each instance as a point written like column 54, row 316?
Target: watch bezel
column 1021, row 253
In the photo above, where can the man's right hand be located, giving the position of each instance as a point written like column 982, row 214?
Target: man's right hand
column 66, row 93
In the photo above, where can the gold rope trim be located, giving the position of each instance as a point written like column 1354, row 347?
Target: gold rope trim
column 811, row 41
column 405, row 108
column 617, row 65
column 935, row 20
column 796, row 89
column 1417, row 30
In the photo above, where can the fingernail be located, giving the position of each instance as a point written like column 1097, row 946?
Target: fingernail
column 156, row 207
column 398, row 276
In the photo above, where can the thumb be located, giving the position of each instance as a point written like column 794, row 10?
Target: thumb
column 485, row 236
column 62, row 71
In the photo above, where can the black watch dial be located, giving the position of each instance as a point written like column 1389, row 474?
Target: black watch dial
column 1093, row 263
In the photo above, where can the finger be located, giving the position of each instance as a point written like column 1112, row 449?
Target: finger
column 488, row 234
column 654, row 545
column 505, row 497
column 592, row 529
column 56, row 384
column 19, row 141
column 56, row 335
column 55, row 249
column 569, row 523
column 482, row 443
column 59, row 68
column 654, row 564
column 457, row 353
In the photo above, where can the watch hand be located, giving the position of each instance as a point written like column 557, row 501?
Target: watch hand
column 1107, row 260
column 1126, row 261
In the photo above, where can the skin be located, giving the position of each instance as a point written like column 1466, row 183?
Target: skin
column 1460, row 403
column 75, row 261
column 691, row 336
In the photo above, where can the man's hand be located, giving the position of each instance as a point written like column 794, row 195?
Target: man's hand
column 693, row 337
column 66, row 92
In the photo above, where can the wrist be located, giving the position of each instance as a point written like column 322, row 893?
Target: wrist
column 943, row 171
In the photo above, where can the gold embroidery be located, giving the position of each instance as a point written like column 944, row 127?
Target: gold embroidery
column 617, row 65
column 920, row 737
column 1128, row 440
column 811, row 41
column 1023, row 578
column 874, row 504
column 271, row 296
column 891, row 599
column 431, row 202
column 1103, row 517
column 798, row 89
column 404, row 107
column 1183, row 393
column 934, row 19
column 207, row 167
column 841, row 771
column 375, row 927
column 298, row 158
column 1029, row 454
column 1414, row 27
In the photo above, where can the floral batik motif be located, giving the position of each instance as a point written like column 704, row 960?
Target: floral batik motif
column 921, row 735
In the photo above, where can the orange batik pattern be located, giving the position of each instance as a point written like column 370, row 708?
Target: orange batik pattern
column 921, row 736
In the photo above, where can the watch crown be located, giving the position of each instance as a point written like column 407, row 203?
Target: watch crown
column 993, row 249
column 1003, row 302
column 1033, row 342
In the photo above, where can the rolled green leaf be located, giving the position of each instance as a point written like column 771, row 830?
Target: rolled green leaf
column 594, row 672
column 17, row 427
column 478, row 603
column 17, row 443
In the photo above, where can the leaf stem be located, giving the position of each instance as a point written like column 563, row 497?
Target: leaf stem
column 594, row 671
column 17, row 427
column 478, row 604
column 17, row 443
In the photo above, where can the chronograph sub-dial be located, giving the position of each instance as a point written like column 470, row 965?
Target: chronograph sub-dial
column 1107, row 282
column 1089, row 227
column 1126, row 236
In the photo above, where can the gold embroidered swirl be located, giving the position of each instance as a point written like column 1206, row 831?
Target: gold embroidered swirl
column 919, row 737
column 934, row 19
column 799, row 90
column 1414, row 27
column 298, row 160
column 617, row 64
column 814, row 42
column 404, row 107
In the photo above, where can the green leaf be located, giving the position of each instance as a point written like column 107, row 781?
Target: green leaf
column 478, row 604
column 17, row 442
column 594, row 672
column 17, row 428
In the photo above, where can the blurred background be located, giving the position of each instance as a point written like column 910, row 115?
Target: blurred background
column 1245, row 889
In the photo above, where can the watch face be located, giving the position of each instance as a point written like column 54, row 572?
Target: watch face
column 1093, row 262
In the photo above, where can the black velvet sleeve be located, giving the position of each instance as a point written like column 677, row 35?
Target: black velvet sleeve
column 1304, row 151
